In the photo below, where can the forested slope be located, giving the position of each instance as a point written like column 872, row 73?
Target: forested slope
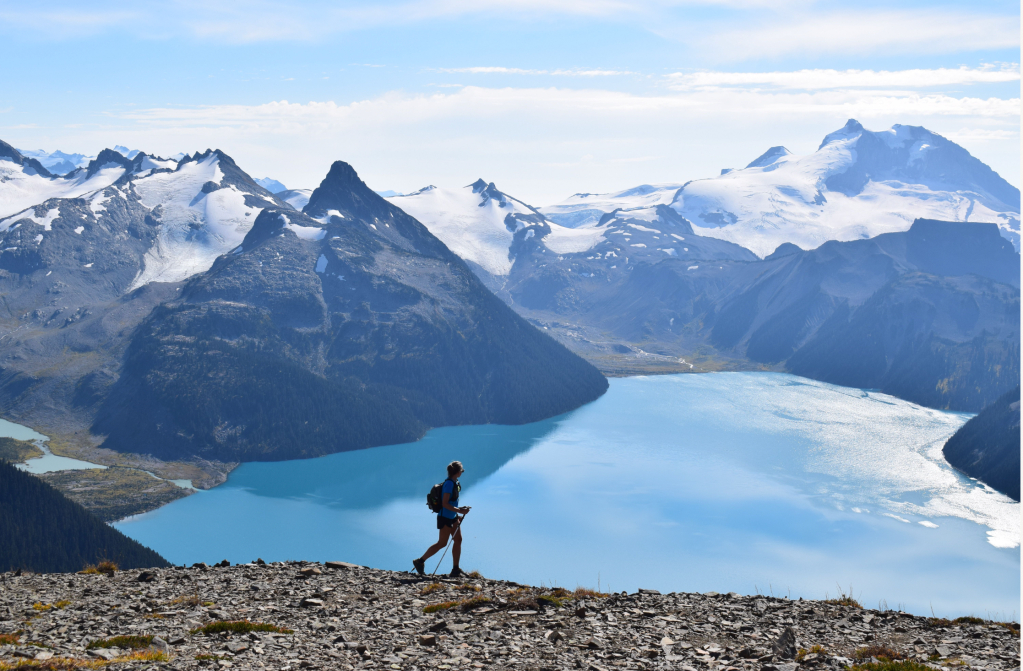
column 988, row 446
column 43, row 531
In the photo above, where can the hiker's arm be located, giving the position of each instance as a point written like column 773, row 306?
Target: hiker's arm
column 446, row 503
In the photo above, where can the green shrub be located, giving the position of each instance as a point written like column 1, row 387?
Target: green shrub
column 238, row 627
column 901, row 665
column 437, row 607
column 474, row 602
column 881, row 652
column 814, row 650
column 125, row 642
column 107, row 568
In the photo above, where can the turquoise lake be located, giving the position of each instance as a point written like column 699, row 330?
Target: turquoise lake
column 744, row 482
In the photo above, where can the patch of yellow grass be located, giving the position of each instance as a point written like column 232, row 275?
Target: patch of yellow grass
column 814, row 650
column 436, row 607
column 57, row 605
column 431, row 588
column 190, row 600
column 105, row 567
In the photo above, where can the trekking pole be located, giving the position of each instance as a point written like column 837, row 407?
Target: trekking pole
column 458, row 525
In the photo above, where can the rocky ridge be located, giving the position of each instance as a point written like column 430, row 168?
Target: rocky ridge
column 342, row 616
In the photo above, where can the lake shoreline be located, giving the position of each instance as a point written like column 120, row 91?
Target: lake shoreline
column 800, row 489
column 204, row 475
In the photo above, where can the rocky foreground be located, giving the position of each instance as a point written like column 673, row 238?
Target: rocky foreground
column 341, row 616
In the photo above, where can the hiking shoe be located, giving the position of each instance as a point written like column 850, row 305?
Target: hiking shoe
column 420, row 566
column 455, row 572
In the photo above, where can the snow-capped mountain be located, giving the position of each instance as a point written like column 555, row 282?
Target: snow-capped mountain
column 858, row 184
column 296, row 198
column 25, row 182
column 61, row 163
column 587, row 208
column 270, row 184
column 335, row 333
column 57, row 162
column 204, row 208
column 201, row 206
column 477, row 222
column 491, row 231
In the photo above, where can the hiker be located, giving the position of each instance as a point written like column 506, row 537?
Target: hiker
column 448, row 522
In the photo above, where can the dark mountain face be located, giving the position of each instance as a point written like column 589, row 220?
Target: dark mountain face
column 66, row 310
column 930, row 315
column 30, row 164
column 988, row 446
column 899, row 313
column 318, row 337
column 313, row 335
column 107, row 157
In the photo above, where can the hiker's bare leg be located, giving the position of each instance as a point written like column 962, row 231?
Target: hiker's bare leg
column 445, row 533
column 456, row 548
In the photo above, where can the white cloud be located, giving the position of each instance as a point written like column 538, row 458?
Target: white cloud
column 982, row 135
column 531, row 140
column 284, row 116
column 732, row 30
column 862, row 32
column 540, row 144
column 836, row 79
column 487, row 70
column 275, row 20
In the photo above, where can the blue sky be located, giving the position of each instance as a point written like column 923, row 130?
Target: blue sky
column 546, row 98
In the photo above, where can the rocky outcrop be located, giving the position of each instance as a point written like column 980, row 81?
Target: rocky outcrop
column 341, row 616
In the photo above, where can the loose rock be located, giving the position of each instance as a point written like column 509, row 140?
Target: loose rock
column 351, row 618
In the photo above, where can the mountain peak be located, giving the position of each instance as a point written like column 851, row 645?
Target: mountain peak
column 342, row 190
column 9, row 152
column 270, row 184
column 851, row 128
column 127, row 153
column 488, row 192
column 106, row 157
column 770, row 156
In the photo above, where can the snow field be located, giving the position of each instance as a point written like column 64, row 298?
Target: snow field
column 195, row 228
column 21, row 190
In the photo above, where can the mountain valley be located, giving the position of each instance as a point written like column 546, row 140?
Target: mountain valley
column 178, row 316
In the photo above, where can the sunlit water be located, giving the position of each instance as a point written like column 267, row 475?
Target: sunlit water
column 739, row 482
column 47, row 463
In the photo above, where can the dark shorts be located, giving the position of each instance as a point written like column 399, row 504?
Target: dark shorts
column 445, row 522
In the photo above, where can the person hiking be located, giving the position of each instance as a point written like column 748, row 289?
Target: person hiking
column 448, row 523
